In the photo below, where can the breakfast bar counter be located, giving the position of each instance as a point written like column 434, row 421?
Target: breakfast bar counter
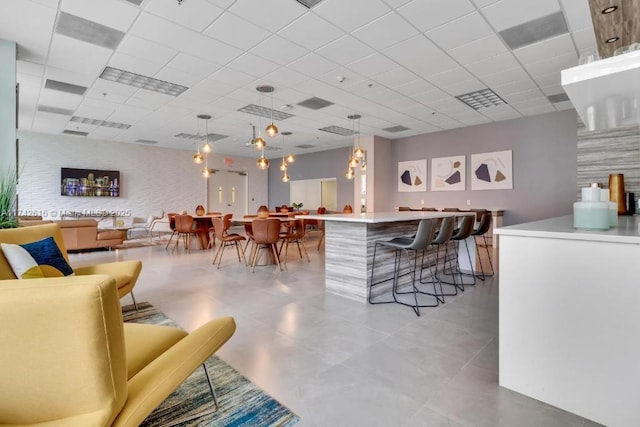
column 570, row 318
column 349, row 245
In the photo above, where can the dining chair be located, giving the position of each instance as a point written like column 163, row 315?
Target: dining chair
column 184, row 228
column 172, row 226
column 211, row 231
column 321, row 211
column 266, row 234
column 248, row 231
column 295, row 235
column 226, row 240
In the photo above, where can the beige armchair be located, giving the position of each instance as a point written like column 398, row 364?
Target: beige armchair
column 69, row 360
column 125, row 273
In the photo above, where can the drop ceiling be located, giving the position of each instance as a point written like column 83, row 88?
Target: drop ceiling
column 399, row 63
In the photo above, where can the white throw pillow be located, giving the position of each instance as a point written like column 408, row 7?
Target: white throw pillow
column 21, row 262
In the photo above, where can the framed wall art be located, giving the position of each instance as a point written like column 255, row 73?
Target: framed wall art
column 492, row 171
column 448, row 174
column 412, row 176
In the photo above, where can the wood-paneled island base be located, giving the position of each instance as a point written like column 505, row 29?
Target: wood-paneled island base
column 349, row 245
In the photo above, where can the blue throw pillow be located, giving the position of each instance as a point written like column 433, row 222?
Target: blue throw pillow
column 47, row 254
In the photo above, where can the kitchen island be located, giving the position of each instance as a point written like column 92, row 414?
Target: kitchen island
column 570, row 317
column 350, row 241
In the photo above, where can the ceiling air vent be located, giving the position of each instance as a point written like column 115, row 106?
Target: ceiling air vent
column 484, row 98
column 558, row 97
column 55, row 110
column 95, row 122
column 308, row 3
column 75, row 132
column 305, row 146
column 534, row 31
column 65, row 87
column 88, row 31
column 315, row 103
column 143, row 82
column 146, row 141
column 212, row 137
column 257, row 110
column 338, row 130
column 394, row 129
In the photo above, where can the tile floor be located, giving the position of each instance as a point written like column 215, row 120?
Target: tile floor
column 337, row 362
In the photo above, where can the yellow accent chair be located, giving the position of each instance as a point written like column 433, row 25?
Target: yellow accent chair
column 68, row 359
column 125, row 273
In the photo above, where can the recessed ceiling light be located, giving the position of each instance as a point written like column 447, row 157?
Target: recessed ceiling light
column 613, row 39
column 609, row 9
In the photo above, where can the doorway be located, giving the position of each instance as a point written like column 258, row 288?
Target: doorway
column 227, row 193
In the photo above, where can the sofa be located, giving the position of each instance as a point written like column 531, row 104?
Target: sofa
column 69, row 360
column 125, row 273
column 81, row 234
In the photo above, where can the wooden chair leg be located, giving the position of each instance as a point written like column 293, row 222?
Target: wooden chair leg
column 304, row 248
column 222, row 246
column 277, row 257
column 255, row 258
column 217, row 253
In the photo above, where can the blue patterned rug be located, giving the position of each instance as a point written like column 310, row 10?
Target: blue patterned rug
column 242, row 403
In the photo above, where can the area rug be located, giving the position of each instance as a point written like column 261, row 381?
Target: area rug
column 143, row 242
column 242, row 403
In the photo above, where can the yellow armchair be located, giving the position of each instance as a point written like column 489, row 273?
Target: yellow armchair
column 125, row 273
column 68, row 359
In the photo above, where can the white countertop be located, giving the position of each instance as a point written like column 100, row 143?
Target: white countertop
column 379, row 217
column 561, row 227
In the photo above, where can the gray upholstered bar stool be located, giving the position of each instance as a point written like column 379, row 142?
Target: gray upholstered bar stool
column 433, row 265
column 460, row 236
column 401, row 245
column 482, row 230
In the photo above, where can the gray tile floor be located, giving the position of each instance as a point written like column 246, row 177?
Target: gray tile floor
column 337, row 362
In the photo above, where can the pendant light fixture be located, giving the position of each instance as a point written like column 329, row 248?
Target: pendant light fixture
column 290, row 158
column 353, row 160
column 263, row 162
column 198, row 158
column 259, row 141
column 271, row 130
column 284, row 166
column 358, row 151
column 285, row 177
column 206, row 147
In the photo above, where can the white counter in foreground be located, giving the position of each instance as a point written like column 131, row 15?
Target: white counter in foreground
column 570, row 317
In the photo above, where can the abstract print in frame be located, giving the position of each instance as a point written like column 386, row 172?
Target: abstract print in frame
column 448, row 174
column 412, row 175
column 492, row 171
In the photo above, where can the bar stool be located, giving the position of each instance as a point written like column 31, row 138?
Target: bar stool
column 401, row 245
column 482, row 230
column 461, row 235
column 441, row 239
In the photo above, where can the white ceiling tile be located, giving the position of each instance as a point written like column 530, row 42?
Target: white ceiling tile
column 345, row 49
column 47, row 124
column 544, row 49
column 493, row 64
column 147, row 50
column 195, row 66
column 311, row 31
column 213, row 88
column 231, row 77
column 506, row 76
column 484, row 3
column 127, row 114
column 552, row 90
column 552, row 64
column 414, row 87
column 351, row 14
column 148, row 99
column 534, row 111
column 286, row 77
column 509, row 13
column 94, row 93
column 271, row 15
column 431, row 97
column 114, row 88
column 523, row 96
column 29, row 68
column 396, row 77
column 585, row 39
column 313, row 65
column 29, row 80
column 54, row 98
column 548, row 79
column 32, row 25
column 236, row 31
column 514, row 87
column 449, row 36
column 372, row 65
column 279, row 50
column 194, row 14
column 161, row 31
column 78, row 56
column 450, row 77
column 577, row 14
column 426, row 15
column 253, row 65
column 395, row 31
column 349, row 77
column 180, row 77
column 116, row 15
column 566, row 105
column 478, row 50
column 421, row 56
column 94, row 112
column 134, row 64
column 464, row 86
column 222, row 3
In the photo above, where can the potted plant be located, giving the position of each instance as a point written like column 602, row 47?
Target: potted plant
column 297, row 206
column 8, row 198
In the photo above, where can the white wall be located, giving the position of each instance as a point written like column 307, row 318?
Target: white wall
column 151, row 177
column 7, row 105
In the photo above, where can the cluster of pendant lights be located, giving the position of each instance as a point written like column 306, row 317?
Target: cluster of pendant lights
column 198, row 158
column 357, row 155
column 271, row 131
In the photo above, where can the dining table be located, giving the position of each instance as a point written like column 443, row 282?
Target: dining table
column 201, row 225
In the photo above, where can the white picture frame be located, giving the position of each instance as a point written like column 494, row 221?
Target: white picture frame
column 492, row 171
column 448, row 174
column 412, row 176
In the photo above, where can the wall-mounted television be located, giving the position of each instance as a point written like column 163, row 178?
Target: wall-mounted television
column 89, row 183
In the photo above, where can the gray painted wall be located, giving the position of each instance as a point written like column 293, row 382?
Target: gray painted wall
column 544, row 165
column 7, row 105
column 324, row 164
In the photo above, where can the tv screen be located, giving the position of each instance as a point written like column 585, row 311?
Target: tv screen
column 90, row 183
